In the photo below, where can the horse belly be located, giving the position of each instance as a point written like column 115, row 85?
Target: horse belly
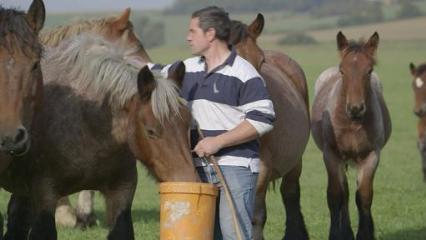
column 287, row 141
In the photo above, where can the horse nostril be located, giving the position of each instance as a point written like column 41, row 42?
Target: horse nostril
column 21, row 136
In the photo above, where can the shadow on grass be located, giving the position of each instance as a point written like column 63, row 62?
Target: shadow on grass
column 406, row 234
column 138, row 215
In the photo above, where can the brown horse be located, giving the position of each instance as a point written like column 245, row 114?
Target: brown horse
column 419, row 88
column 115, row 29
column 100, row 114
column 21, row 81
column 281, row 149
column 350, row 123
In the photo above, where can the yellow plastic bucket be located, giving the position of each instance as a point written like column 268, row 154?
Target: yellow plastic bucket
column 187, row 210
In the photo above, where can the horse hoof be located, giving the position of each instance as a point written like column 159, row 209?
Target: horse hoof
column 86, row 221
column 65, row 217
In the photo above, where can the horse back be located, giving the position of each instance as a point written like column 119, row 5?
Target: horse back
column 292, row 69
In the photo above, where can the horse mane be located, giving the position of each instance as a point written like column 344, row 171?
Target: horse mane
column 238, row 32
column 14, row 24
column 357, row 47
column 94, row 65
column 53, row 37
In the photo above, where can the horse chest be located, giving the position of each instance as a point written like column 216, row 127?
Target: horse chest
column 353, row 142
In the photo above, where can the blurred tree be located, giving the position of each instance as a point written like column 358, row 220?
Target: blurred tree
column 362, row 14
column 297, row 38
column 408, row 10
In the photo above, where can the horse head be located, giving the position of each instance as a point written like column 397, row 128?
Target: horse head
column 159, row 123
column 419, row 78
column 356, row 68
column 244, row 39
column 20, row 75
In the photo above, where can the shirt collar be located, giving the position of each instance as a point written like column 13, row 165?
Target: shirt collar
column 229, row 61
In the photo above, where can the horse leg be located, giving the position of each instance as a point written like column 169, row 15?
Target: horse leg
column 65, row 213
column 364, row 196
column 290, row 192
column 337, row 197
column 85, row 214
column 44, row 202
column 259, row 215
column 18, row 220
column 119, row 203
column 422, row 148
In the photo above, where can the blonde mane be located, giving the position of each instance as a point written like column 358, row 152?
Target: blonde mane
column 53, row 37
column 94, row 65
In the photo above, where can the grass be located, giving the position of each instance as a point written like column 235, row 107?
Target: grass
column 400, row 194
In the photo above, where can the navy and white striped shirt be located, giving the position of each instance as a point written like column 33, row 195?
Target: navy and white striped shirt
column 221, row 99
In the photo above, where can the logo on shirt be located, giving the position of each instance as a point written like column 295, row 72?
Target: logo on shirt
column 215, row 90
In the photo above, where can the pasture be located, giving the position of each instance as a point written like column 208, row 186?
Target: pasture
column 399, row 194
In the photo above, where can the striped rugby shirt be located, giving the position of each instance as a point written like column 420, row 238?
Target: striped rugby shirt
column 222, row 99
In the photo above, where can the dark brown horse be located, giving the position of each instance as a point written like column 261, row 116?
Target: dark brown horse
column 419, row 88
column 115, row 29
column 350, row 123
column 21, row 81
column 100, row 113
column 281, row 149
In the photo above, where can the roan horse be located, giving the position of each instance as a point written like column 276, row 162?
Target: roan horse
column 281, row 149
column 419, row 88
column 350, row 123
column 21, row 81
column 100, row 113
column 115, row 29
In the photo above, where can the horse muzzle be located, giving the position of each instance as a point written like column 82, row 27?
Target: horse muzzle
column 18, row 145
column 356, row 112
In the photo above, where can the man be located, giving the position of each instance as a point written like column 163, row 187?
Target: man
column 229, row 102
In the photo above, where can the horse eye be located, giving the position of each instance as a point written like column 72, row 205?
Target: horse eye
column 35, row 66
column 151, row 133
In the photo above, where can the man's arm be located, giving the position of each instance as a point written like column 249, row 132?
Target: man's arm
column 242, row 133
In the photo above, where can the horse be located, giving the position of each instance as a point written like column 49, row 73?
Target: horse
column 351, row 124
column 281, row 149
column 419, row 78
column 100, row 114
column 116, row 29
column 21, row 81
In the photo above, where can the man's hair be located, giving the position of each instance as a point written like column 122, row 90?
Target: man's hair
column 216, row 18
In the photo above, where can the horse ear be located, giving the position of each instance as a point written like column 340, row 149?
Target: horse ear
column 257, row 25
column 178, row 73
column 146, row 83
column 342, row 42
column 36, row 15
column 372, row 43
column 122, row 21
column 413, row 69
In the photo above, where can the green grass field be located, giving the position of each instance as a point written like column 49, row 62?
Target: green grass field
column 400, row 194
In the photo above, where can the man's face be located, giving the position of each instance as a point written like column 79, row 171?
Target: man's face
column 198, row 40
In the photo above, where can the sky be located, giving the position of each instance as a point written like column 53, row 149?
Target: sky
column 89, row 5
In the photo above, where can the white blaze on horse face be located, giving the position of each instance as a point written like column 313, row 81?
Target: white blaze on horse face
column 419, row 82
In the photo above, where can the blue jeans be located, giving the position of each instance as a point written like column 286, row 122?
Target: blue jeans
column 242, row 185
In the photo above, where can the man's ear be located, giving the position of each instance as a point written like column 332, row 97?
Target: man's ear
column 211, row 34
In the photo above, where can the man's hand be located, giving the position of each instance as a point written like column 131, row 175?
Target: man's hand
column 208, row 146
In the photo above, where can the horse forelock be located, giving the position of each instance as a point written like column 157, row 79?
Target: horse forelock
column 92, row 64
column 421, row 69
column 16, row 34
column 357, row 47
column 165, row 99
